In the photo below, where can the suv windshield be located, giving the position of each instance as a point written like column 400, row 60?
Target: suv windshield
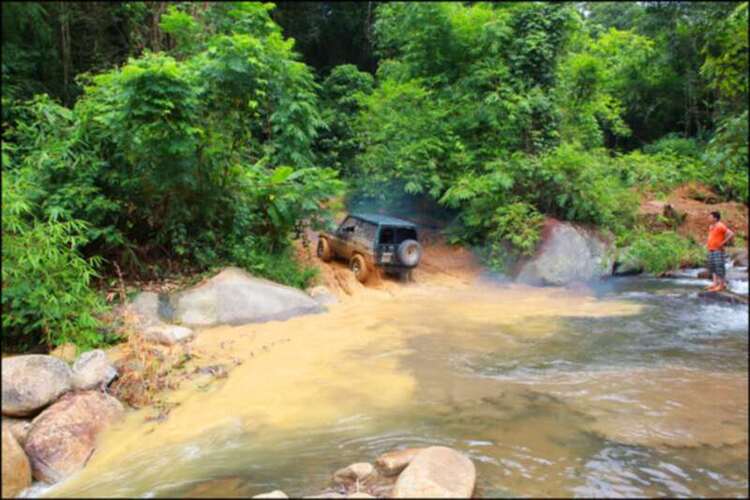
column 395, row 235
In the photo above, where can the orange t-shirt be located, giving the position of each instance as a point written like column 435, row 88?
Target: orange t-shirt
column 716, row 236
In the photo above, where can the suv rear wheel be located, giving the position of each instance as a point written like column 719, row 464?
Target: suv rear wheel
column 358, row 265
column 324, row 250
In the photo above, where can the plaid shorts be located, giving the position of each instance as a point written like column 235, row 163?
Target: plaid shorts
column 716, row 263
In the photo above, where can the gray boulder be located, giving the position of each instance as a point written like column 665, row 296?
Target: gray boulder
column 31, row 382
column 235, row 297
column 63, row 437
column 437, row 472
column 93, row 369
column 168, row 334
column 567, row 254
column 145, row 308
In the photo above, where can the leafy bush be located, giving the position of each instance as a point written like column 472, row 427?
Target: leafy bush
column 674, row 144
column 727, row 154
column 658, row 253
column 660, row 172
column 46, row 282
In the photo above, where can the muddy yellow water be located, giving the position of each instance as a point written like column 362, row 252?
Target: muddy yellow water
column 636, row 389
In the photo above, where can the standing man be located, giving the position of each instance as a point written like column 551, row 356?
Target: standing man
column 718, row 236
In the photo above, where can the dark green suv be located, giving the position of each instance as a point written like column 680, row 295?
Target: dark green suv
column 369, row 241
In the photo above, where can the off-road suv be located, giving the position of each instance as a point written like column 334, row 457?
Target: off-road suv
column 369, row 241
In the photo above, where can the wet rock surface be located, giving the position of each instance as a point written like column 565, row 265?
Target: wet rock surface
column 62, row 438
column 33, row 381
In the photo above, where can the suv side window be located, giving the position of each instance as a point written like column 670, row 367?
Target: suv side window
column 367, row 230
column 348, row 222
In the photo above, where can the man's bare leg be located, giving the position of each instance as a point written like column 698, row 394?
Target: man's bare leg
column 715, row 285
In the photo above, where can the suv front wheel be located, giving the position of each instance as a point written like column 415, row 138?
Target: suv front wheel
column 358, row 265
column 324, row 250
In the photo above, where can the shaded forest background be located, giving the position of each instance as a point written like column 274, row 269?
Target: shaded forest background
column 143, row 139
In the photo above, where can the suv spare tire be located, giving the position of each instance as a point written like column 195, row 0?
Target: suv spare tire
column 409, row 252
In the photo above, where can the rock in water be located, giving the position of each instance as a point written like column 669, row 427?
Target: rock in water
column 354, row 472
column 272, row 494
column 393, row 462
column 93, row 369
column 724, row 296
column 15, row 465
column 168, row 334
column 31, row 382
column 739, row 256
column 234, row 297
column 62, row 437
column 567, row 254
column 437, row 472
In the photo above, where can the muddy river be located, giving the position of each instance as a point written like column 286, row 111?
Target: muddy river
column 633, row 388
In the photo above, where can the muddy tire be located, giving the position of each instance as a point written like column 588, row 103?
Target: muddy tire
column 324, row 250
column 358, row 265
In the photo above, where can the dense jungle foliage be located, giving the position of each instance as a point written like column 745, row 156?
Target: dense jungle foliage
column 147, row 138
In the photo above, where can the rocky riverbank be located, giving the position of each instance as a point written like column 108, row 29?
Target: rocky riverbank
column 52, row 414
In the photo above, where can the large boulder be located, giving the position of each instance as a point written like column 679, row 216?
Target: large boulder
column 63, row 437
column 567, row 254
column 234, row 297
column 31, row 382
column 437, row 472
column 15, row 465
column 93, row 369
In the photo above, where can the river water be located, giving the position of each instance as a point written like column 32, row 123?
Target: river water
column 632, row 388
